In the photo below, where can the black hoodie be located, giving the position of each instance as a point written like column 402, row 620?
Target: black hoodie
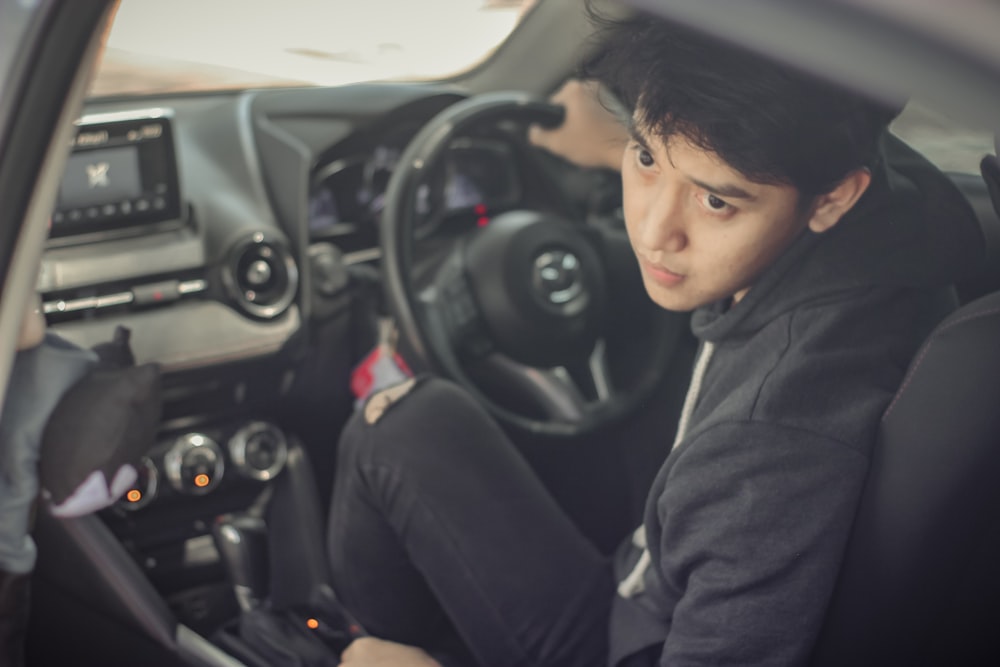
column 747, row 520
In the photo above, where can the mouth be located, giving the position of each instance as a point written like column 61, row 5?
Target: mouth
column 660, row 274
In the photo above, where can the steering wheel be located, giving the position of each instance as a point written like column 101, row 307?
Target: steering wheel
column 521, row 303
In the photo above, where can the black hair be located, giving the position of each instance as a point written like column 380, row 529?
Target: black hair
column 768, row 121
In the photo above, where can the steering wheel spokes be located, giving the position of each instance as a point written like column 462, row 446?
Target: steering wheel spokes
column 600, row 374
column 560, row 394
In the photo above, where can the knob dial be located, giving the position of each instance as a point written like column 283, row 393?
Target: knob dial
column 258, row 273
column 259, row 450
column 194, row 464
column 143, row 491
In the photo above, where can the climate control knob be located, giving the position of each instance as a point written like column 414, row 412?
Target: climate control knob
column 259, row 450
column 194, row 464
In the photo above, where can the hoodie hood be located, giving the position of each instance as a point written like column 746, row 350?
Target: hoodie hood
column 911, row 228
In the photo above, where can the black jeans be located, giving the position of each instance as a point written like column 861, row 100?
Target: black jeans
column 440, row 530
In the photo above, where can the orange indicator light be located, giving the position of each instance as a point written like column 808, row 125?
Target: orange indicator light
column 201, row 480
column 312, row 623
column 134, row 496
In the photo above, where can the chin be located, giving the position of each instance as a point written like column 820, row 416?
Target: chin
column 677, row 300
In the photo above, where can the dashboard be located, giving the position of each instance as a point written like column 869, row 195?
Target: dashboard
column 218, row 209
column 229, row 234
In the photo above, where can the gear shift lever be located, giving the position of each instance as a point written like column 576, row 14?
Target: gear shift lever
column 241, row 540
column 268, row 635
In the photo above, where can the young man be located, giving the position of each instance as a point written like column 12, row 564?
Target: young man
column 815, row 254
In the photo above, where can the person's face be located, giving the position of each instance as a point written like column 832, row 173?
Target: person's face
column 700, row 230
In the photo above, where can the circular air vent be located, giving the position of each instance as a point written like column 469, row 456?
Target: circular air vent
column 261, row 276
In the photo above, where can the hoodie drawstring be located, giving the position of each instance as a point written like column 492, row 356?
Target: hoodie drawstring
column 633, row 583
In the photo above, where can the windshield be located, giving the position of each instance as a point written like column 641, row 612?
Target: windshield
column 185, row 45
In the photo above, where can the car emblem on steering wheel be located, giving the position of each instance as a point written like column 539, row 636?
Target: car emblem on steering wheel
column 556, row 277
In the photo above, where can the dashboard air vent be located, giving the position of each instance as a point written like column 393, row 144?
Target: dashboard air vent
column 261, row 276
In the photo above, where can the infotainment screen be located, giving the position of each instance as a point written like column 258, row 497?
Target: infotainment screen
column 99, row 176
column 122, row 172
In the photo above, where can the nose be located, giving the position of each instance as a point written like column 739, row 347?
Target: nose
column 662, row 227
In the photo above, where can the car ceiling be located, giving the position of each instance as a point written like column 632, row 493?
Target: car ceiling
column 940, row 52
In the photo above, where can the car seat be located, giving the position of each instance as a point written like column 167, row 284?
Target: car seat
column 920, row 584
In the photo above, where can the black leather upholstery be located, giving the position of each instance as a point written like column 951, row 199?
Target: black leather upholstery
column 921, row 581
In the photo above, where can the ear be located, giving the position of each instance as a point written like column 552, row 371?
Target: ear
column 829, row 208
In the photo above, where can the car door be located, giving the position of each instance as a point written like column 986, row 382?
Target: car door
column 46, row 50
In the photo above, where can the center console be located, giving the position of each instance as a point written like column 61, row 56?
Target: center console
column 215, row 304
column 188, row 480
column 197, row 565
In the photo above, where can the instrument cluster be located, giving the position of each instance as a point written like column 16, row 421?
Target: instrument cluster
column 476, row 177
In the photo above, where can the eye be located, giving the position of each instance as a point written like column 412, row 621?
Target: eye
column 643, row 157
column 715, row 203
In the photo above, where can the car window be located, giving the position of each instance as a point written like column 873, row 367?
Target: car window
column 156, row 47
column 951, row 147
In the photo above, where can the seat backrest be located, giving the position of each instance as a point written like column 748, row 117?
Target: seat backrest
column 920, row 583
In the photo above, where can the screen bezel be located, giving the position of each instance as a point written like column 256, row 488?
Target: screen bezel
column 160, row 150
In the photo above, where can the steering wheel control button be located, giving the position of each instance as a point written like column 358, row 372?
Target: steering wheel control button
column 194, row 464
column 459, row 304
column 459, row 312
column 259, row 450
column 557, row 280
column 144, row 490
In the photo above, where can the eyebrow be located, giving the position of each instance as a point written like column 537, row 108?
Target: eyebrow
column 727, row 190
column 637, row 135
column 723, row 190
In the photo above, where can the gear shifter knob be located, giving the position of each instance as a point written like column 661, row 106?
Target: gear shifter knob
column 242, row 544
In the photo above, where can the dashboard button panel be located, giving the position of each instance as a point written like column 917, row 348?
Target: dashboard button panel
column 145, row 488
column 194, row 464
column 259, row 450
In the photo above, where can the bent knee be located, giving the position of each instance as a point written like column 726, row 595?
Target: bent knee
column 412, row 419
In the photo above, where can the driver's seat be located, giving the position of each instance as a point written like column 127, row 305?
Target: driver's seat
column 920, row 584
